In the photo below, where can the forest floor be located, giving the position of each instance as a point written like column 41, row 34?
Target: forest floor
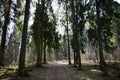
column 59, row 70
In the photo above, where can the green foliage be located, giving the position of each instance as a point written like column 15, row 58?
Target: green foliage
column 44, row 25
column 56, row 41
column 108, row 19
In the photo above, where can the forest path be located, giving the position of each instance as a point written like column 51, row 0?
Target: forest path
column 54, row 71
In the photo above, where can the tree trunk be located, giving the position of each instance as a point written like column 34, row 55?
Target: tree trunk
column 3, row 39
column 75, row 32
column 41, row 50
column 101, row 56
column 21, row 69
column 78, row 50
column 75, row 59
column 68, row 41
column 38, row 64
column 40, row 36
column 45, row 47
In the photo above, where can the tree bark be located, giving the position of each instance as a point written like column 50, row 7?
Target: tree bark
column 38, row 64
column 75, row 34
column 41, row 51
column 45, row 47
column 68, row 41
column 75, row 59
column 21, row 69
column 4, row 33
column 101, row 56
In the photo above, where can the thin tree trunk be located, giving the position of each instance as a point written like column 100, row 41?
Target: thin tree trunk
column 68, row 41
column 75, row 59
column 21, row 69
column 45, row 47
column 3, row 39
column 41, row 50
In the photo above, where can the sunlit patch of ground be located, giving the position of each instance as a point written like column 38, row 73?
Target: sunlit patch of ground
column 90, row 74
column 62, row 62
column 2, row 71
column 6, row 73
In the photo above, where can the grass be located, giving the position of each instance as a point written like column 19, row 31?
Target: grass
column 2, row 71
column 92, row 74
column 6, row 73
column 90, row 71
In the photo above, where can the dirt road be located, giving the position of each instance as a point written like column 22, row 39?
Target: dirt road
column 60, row 70
column 53, row 71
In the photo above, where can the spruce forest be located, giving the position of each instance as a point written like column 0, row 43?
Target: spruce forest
column 59, row 39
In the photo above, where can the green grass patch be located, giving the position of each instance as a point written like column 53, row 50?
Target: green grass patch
column 2, row 71
column 92, row 74
column 7, row 73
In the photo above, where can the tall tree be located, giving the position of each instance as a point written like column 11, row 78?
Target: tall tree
column 7, row 7
column 75, row 31
column 101, row 56
column 21, row 70
column 40, row 30
column 68, row 40
column 45, row 62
